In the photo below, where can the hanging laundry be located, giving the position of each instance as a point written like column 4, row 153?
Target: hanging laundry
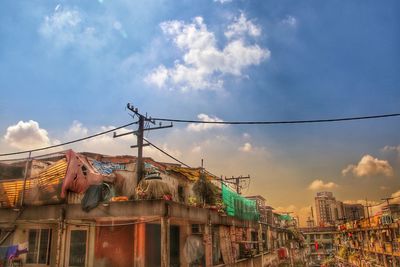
column 23, row 248
column 3, row 256
column 12, row 252
column 81, row 174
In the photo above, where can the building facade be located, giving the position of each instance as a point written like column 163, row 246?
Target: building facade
column 91, row 210
column 353, row 211
column 373, row 241
column 328, row 210
column 319, row 243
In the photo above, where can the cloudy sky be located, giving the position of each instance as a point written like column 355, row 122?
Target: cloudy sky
column 68, row 69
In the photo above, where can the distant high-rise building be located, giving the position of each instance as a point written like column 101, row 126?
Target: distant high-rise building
column 393, row 209
column 353, row 211
column 328, row 209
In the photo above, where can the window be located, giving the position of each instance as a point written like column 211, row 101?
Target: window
column 327, row 236
column 77, row 249
column 181, row 194
column 39, row 246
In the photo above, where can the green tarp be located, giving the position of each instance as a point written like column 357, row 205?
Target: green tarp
column 285, row 217
column 238, row 206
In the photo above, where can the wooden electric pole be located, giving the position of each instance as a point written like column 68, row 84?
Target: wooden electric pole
column 237, row 181
column 142, row 119
column 368, row 206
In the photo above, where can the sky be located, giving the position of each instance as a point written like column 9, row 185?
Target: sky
column 68, row 69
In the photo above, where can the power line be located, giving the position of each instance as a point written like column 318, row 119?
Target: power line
column 143, row 125
column 69, row 142
column 166, row 153
column 48, row 155
column 281, row 122
column 208, row 122
column 184, row 164
column 380, row 203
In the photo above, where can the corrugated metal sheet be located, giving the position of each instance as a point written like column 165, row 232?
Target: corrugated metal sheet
column 192, row 174
column 47, row 181
column 74, row 198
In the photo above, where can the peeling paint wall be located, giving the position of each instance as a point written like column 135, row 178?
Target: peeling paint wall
column 114, row 245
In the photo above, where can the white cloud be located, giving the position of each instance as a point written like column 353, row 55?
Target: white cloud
column 66, row 26
column 77, row 130
column 392, row 148
column 289, row 21
column 120, row 29
column 158, row 77
column 26, row 135
column 396, row 194
column 246, row 135
column 223, row 1
column 383, row 188
column 196, row 149
column 241, row 26
column 369, row 166
column 321, row 185
column 203, row 62
column 197, row 127
column 157, row 155
column 247, row 147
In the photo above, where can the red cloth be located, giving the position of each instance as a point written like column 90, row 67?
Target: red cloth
column 282, row 253
column 80, row 175
column 316, row 245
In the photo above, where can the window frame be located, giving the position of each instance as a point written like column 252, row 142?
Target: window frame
column 38, row 240
column 68, row 247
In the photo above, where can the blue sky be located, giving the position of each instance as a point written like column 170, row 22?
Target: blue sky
column 68, row 68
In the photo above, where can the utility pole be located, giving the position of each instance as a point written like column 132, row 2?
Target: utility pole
column 237, row 181
column 142, row 119
column 368, row 206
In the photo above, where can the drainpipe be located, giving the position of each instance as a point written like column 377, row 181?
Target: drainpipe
column 165, row 238
column 60, row 236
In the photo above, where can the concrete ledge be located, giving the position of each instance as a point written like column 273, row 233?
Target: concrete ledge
column 46, row 213
column 123, row 210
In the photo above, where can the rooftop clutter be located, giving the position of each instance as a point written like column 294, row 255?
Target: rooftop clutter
column 239, row 206
column 99, row 178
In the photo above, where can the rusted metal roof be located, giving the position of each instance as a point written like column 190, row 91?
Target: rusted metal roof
column 192, row 174
column 11, row 190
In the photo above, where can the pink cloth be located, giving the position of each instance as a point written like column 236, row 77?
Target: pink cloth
column 80, row 174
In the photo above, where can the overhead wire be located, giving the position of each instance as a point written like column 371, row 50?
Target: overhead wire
column 379, row 203
column 194, row 121
column 58, row 153
column 206, row 122
column 166, row 153
column 183, row 163
column 69, row 142
column 281, row 122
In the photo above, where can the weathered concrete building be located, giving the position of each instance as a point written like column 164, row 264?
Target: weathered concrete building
column 84, row 209
column 319, row 243
column 373, row 241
